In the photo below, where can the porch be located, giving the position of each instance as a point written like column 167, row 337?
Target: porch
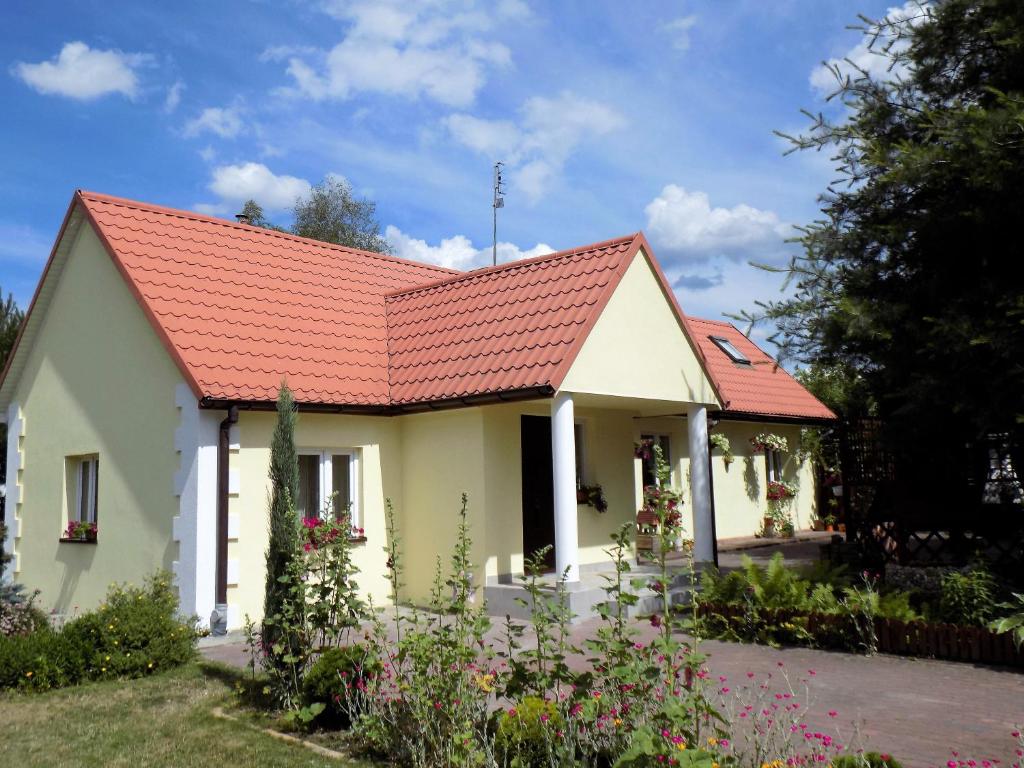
column 580, row 439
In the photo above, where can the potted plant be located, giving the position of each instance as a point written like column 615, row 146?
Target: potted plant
column 721, row 442
column 592, row 496
column 830, row 523
column 80, row 531
column 769, row 441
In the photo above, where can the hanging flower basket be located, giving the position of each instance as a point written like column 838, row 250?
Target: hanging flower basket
column 769, row 441
column 644, row 450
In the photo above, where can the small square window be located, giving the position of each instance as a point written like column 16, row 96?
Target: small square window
column 730, row 349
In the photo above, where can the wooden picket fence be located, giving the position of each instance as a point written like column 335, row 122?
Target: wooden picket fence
column 905, row 638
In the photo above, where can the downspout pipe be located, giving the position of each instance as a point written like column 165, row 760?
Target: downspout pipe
column 219, row 618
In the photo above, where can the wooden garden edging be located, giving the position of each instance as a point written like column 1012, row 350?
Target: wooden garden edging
column 913, row 638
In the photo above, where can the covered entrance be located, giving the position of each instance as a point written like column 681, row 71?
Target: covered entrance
column 538, row 487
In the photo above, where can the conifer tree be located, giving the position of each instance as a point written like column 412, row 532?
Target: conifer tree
column 283, row 545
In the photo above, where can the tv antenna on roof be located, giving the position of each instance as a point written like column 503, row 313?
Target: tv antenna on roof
column 499, row 202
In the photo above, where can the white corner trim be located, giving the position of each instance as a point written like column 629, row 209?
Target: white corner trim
column 234, row 617
column 232, row 572
column 234, row 482
column 234, row 524
column 234, row 444
column 13, row 490
column 195, row 484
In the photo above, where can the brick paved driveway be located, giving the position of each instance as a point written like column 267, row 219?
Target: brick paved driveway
column 915, row 709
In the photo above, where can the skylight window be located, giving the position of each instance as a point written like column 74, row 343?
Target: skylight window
column 729, row 348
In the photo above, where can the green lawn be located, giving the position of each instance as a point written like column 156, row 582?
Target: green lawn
column 164, row 720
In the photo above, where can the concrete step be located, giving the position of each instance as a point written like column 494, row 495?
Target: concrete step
column 583, row 598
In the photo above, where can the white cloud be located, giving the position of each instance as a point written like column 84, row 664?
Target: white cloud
column 679, row 30
column 457, row 252
column 223, row 121
column 238, row 183
column 84, row 73
column 173, row 98
column 869, row 58
column 549, row 131
column 436, row 50
column 685, row 224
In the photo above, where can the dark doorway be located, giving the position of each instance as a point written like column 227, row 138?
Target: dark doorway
column 538, row 488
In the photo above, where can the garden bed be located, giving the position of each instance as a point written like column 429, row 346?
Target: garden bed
column 904, row 638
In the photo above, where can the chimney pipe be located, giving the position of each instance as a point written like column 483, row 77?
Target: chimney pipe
column 242, row 218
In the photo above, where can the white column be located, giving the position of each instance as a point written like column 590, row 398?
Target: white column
column 563, row 454
column 700, row 485
column 194, row 528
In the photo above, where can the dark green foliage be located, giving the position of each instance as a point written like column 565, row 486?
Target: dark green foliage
column 526, row 734
column 335, row 680
column 283, row 545
column 10, row 323
column 967, row 598
column 42, row 660
column 136, row 632
column 866, row 760
column 333, row 214
column 907, row 281
column 776, row 605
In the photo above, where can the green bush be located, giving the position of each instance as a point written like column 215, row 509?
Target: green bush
column 968, row 598
column 135, row 632
column 42, row 660
column 525, row 736
column 866, row 760
column 335, row 680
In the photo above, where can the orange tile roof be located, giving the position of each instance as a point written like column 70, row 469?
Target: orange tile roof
column 762, row 388
column 506, row 328
column 242, row 308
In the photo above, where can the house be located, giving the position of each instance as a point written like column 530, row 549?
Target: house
column 140, row 396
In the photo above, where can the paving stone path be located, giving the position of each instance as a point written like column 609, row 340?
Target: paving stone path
column 915, row 709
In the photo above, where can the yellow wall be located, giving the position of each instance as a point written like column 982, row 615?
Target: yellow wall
column 740, row 488
column 377, row 441
column 607, row 459
column 442, row 458
column 97, row 380
column 637, row 348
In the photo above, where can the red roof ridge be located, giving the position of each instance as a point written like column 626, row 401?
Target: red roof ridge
column 195, row 216
column 517, row 264
column 714, row 322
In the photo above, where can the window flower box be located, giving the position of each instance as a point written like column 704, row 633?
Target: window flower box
column 79, row 531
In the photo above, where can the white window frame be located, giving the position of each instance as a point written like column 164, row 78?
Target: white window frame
column 326, row 478
column 90, row 465
column 773, row 465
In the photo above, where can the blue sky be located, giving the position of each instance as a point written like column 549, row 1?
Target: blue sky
column 611, row 117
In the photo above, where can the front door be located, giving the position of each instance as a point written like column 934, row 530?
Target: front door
column 538, row 488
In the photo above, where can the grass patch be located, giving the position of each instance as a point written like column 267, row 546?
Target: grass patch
column 164, row 720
